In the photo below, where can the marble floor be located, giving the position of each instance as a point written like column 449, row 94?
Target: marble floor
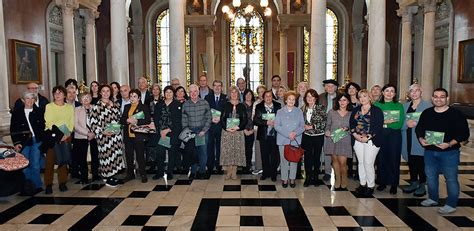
column 243, row 204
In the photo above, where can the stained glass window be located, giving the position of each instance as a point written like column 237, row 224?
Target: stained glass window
column 163, row 75
column 331, row 47
column 240, row 32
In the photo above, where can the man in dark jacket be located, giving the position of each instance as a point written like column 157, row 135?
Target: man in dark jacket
column 40, row 102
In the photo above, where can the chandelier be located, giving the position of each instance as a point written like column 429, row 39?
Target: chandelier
column 230, row 10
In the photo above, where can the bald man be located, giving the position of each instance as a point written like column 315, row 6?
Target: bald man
column 33, row 88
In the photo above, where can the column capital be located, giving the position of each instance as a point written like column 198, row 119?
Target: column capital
column 406, row 13
column 68, row 6
column 209, row 29
column 137, row 36
column 428, row 5
column 283, row 29
column 91, row 16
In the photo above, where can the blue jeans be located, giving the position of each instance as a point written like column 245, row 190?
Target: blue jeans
column 33, row 154
column 447, row 163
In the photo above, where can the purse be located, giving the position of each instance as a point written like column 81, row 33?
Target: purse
column 293, row 153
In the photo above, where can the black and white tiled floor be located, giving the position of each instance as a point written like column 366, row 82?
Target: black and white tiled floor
column 244, row 204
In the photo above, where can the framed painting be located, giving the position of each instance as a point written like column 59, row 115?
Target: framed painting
column 466, row 61
column 26, row 62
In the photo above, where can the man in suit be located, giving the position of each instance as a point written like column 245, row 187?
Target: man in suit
column 204, row 89
column 328, row 99
column 125, row 99
column 40, row 102
column 216, row 101
column 276, row 83
column 242, row 85
column 145, row 96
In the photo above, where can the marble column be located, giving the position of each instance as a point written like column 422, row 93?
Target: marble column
column 70, row 65
column 78, row 35
column 4, row 109
column 406, row 13
column 284, row 55
column 91, row 48
column 357, row 38
column 119, row 41
column 210, row 53
column 137, row 38
column 376, row 49
column 427, row 64
column 317, row 58
column 177, row 41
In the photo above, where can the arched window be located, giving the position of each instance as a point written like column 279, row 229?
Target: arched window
column 331, row 47
column 163, row 75
column 243, row 51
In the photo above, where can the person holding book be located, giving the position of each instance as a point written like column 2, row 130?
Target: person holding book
column 249, row 132
column 27, row 132
column 135, row 114
column 388, row 163
column 289, row 125
column 449, row 128
column 234, row 120
column 313, row 136
column 366, row 124
column 258, row 156
column 264, row 118
column 196, row 116
column 167, row 119
column 216, row 100
column 337, row 141
column 104, row 123
column 412, row 151
column 60, row 114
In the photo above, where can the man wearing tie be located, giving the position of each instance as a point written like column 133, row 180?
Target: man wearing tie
column 242, row 85
column 216, row 101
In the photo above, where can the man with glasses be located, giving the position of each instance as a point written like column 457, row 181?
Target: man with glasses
column 442, row 154
column 33, row 88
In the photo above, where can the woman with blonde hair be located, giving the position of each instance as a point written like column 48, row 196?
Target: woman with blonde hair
column 233, row 141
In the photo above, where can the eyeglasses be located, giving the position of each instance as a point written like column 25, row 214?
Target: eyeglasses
column 32, row 88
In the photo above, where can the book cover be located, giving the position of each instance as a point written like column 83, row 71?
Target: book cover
column 199, row 140
column 413, row 116
column 391, row 114
column 139, row 115
column 165, row 142
column 233, row 122
column 63, row 128
column 434, row 138
column 113, row 127
column 268, row 116
column 338, row 135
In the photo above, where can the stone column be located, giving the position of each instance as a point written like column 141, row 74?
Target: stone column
column 91, row 48
column 376, row 50
column 210, row 53
column 406, row 12
column 357, row 37
column 78, row 34
column 4, row 110
column 119, row 41
column 427, row 65
column 177, row 41
column 137, row 38
column 70, row 67
column 317, row 59
column 284, row 55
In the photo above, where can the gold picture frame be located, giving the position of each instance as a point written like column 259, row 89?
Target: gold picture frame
column 466, row 61
column 26, row 62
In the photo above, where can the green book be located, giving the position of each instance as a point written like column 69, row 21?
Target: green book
column 391, row 114
column 268, row 116
column 233, row 122
column 63, row 128
column 113, row 127
column 139, row 115
column 413, row 116
column 165, row 142
column 199, row 140
column 215, row 113
column 434, row 138
column 338, row 135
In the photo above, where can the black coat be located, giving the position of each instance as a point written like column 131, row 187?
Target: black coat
column 240, row 111
column 261, row 123
column 174, row 122
column 146, row 120
column 42, row 101
column 376, row 124
column 211, row 99
column 19, row 129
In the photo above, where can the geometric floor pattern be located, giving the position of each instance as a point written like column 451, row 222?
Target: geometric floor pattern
column 243, row 204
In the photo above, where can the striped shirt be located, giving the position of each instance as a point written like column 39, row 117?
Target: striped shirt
column 196, row 115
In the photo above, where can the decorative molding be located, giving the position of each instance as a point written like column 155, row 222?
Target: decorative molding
column 90, row 4
column 428, row 5
column 294, row 20
column 91, row 16
column 442, row 11
column 406, row 13
column 199, row 20
column 56, row 16
column 68, row 6
column 56, row 36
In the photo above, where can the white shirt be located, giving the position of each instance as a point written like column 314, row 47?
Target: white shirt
column 309, row 113
column 124, row 102
column 27, row 114
column 142, row 97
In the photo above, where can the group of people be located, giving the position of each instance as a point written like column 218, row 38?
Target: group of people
column 209, row 132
